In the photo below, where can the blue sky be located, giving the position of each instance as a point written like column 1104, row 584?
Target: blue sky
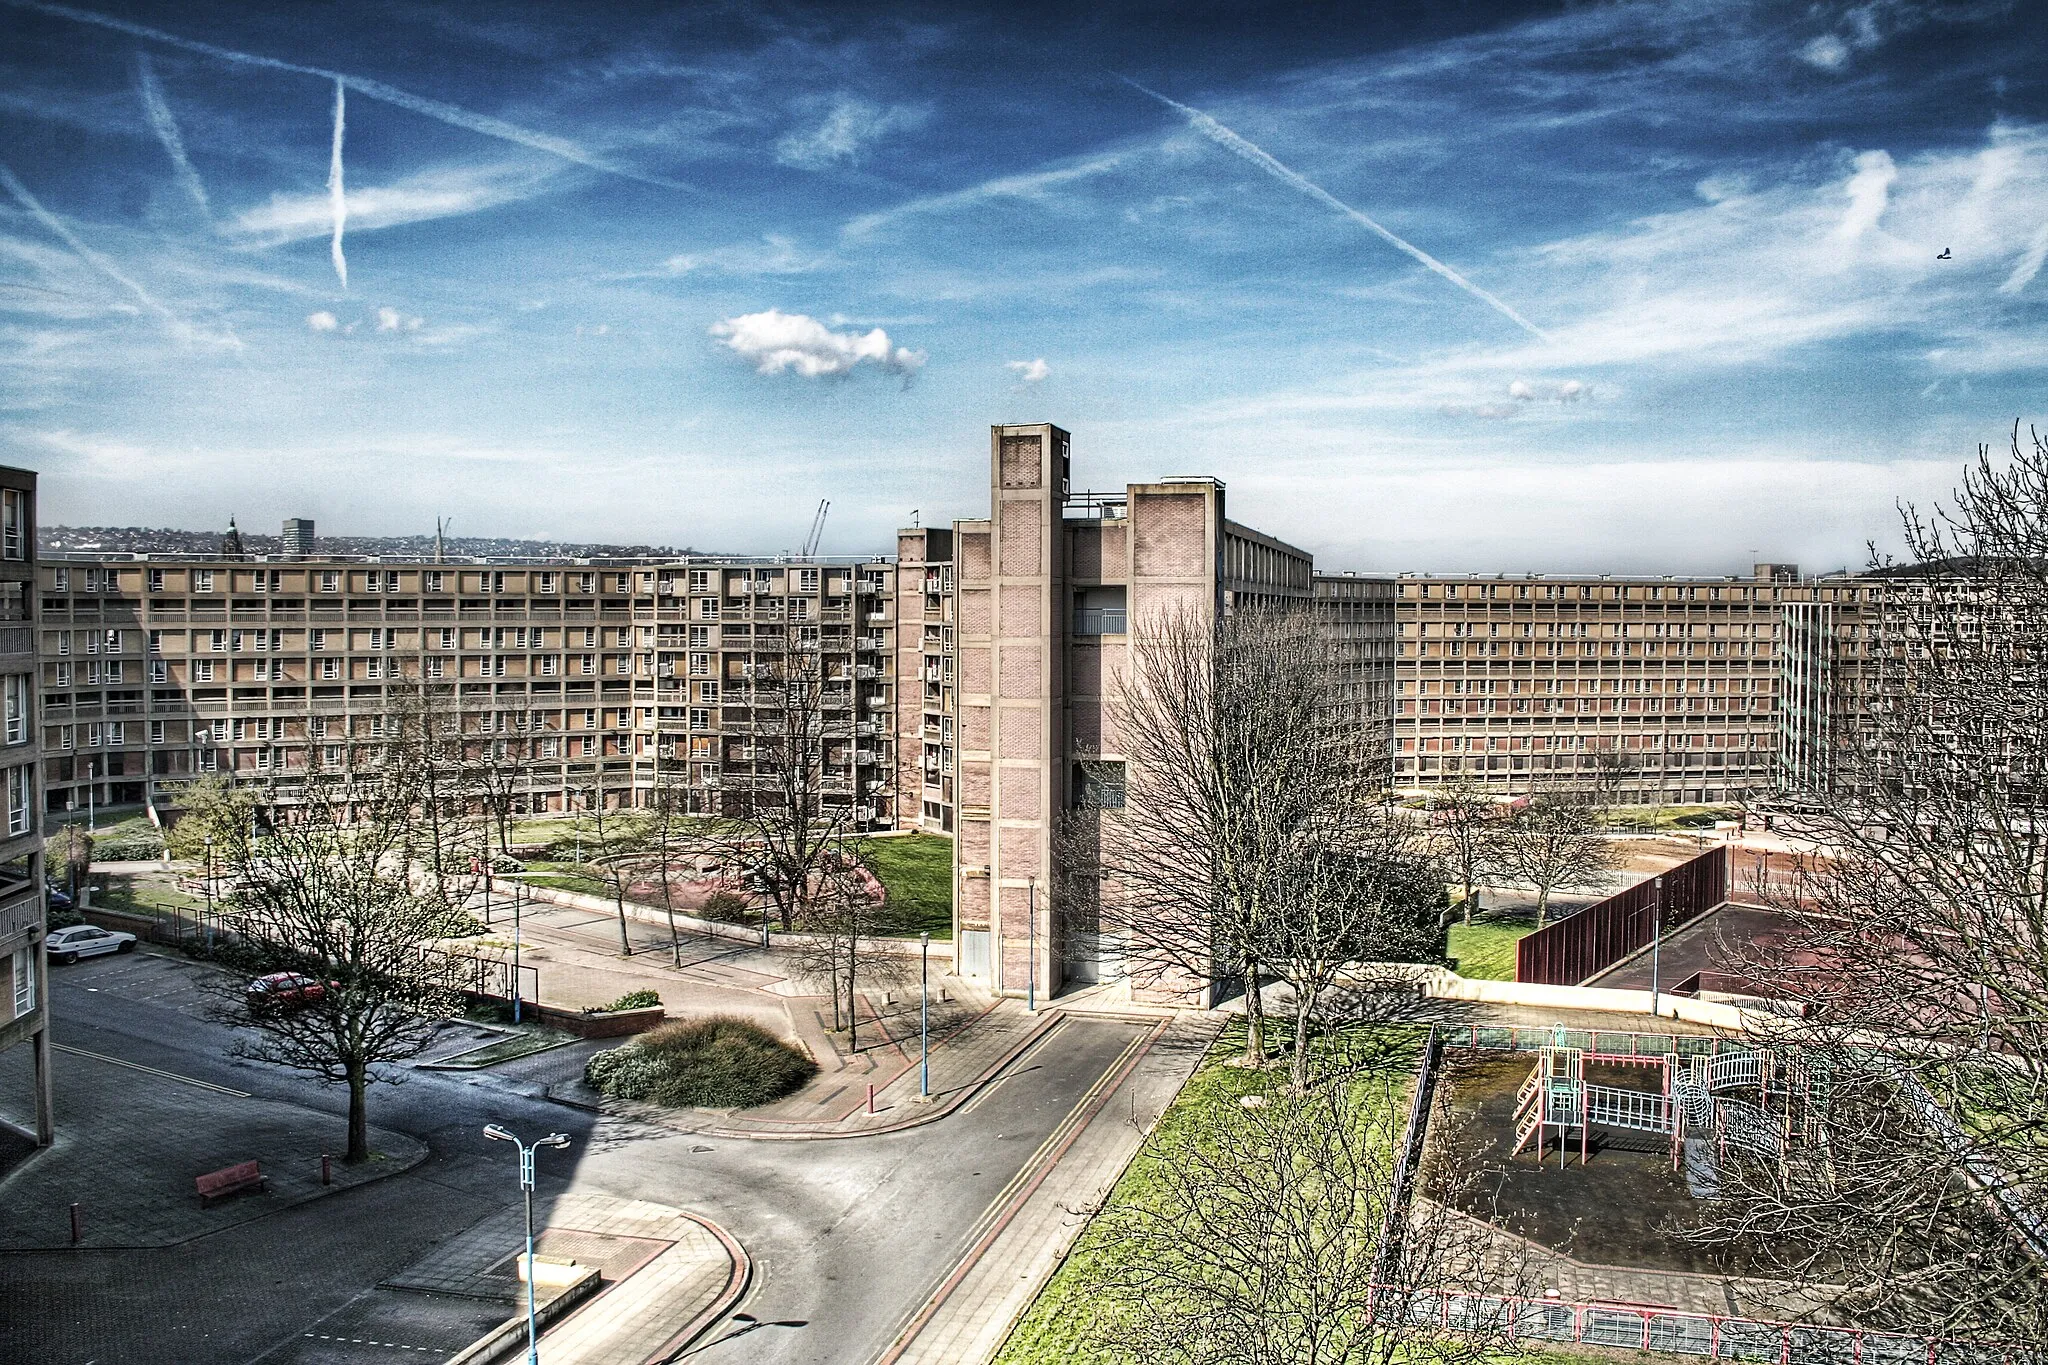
column 1632, row 287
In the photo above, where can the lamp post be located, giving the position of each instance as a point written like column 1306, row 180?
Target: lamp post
column 1656, row 941
column 924, row 1017
column 518, row 903
column 526, row 1151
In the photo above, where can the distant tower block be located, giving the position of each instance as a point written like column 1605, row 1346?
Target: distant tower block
column 298, row 536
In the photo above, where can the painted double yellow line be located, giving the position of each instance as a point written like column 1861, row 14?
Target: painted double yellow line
column 1021, row 1185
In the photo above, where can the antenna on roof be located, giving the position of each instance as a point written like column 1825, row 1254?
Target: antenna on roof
column 440, row 549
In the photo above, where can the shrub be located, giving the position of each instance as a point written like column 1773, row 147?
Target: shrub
column 720, row 1062
column 631, row 1000
column 727, row 907
column 132, row 841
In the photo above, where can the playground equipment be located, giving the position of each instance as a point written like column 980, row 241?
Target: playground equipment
column 1692, row 1098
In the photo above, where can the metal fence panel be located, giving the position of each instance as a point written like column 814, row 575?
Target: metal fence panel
column 1583, row 945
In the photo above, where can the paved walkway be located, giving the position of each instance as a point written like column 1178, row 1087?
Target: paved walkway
column 130, row 1141
column 1026, row 1233
column 664, row 1272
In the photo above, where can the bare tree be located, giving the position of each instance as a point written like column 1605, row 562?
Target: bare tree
column 500, row 775
column 332, row 894
column 71, row 849
column 1555, row 842
column 618, row 835
column 1917, row 944
column 845, row 912
column 1282, row 1234
column 669, row 833
column 801, row 793
column 1224, row 726
column 1468, row 822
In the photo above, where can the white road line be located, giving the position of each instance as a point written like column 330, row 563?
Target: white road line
column 137, row 1066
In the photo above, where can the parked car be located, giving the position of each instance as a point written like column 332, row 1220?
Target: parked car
column 60, row 899
column 285, row 990
column 87, row 940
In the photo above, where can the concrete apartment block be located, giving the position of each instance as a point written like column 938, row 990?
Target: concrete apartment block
column 24, row 1014
column 926, row 760
column 595, row 679
column 1707, row 689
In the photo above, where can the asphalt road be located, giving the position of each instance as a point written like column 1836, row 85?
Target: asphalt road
column 847, row 1236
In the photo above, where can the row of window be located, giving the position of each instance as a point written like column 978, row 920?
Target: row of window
column 547, row 582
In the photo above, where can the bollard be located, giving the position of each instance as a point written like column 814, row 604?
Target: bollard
column 871, row 1097
column 77, row 1225
column 326, row 1169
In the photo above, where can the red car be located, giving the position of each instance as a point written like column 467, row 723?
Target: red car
column 285, row 989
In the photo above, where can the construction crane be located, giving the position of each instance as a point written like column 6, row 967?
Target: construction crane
column 817, row 528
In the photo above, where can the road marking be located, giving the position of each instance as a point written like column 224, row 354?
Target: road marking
column 137, row 1066
column 365, row 1341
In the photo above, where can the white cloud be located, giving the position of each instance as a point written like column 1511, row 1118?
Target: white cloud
column 775, row 255
column 844, row 133
column 1567, row 391
column 391, row 320
column 777, row 342
column 1869, row 191
column 1827, row 52
column 2029, row 264
column 322, row 321
column 1028, row 371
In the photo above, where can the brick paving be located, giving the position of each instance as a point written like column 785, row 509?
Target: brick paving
column 662, row 1270
column 130, row 1141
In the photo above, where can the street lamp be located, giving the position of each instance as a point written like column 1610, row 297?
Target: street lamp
column 1031, row 962
column 526, row 1150
column 924, row 1017
column 1656, row 941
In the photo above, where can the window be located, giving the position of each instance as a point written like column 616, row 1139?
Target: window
column 546, row 584
column 17, row 694
column 208, row 760
column 1099, row 611
column 431, row 581
column 67, row 737
column 218, row 641
column 700, row 719
column 381, row 638
column 373, row 667
column 218, row 731
column 14, row 524
column 586, row 663
column 62, row 582
column 434, row 667
column 550, row 664
column 24, row 981
column 707, row 691
column 316, row 727
column 330, row 669
column 1099, row 785
column 202, row 670
column 447, row 637
column 156, row 732
column 330, row 580
column 20, row 784
column 154, row 580
column 63, row 642
column 590, row 637
column 316, row 640
column 202, row 580
column 159, row 671
column 550, row 748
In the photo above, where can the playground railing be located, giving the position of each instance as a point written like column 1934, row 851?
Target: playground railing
column 1594, row 1042
column 1649, row 1328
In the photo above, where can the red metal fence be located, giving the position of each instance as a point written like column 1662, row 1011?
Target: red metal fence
column 1588, row 943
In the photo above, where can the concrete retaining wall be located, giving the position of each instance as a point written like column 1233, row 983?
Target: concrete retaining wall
column 740, row 933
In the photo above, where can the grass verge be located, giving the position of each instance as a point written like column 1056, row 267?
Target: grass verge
column 1485, row 948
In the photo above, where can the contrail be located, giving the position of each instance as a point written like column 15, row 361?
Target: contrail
column 158, row 111
column 376, row 90
column 183, row 330
column 335, row 194
column 1229, row 141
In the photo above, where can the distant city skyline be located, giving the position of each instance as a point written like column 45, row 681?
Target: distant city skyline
column 1628, row 288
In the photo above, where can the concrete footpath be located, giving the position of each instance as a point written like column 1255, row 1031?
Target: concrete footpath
column 1027, row 1231
column 131, row 1140
column 667, row 1275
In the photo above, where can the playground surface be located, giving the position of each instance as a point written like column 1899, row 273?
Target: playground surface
column 1622, row 1207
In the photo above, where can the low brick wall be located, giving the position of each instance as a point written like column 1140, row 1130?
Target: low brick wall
column 602, row 1024
column 143, row 927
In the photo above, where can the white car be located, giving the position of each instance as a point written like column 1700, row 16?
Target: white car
column 84, row 940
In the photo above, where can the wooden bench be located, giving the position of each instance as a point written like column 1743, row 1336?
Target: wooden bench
column 234, row 1179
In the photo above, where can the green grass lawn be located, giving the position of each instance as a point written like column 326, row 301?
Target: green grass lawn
column 1485, row 948
column 141, row 893
column 1068, row 1321
column 917, row 869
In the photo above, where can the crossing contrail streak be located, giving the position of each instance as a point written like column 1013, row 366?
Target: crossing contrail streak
column 336, row 195
column 183, row 330
column 1231, row 142
column 452, row 114
column 157, row 110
